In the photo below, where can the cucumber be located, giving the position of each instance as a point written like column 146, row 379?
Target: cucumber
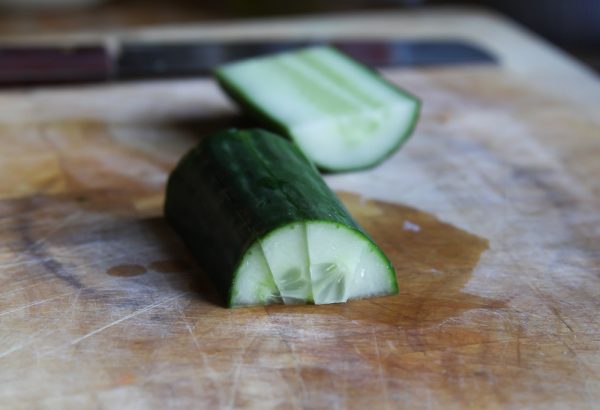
column 341, row 114
column 265, row 226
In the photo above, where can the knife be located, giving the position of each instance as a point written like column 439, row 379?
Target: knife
column 40, row 65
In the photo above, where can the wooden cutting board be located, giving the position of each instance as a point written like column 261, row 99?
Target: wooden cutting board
column 490, row 214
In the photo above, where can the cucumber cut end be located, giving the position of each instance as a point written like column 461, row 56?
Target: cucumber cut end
column 356, row 141
column 312, row 262
column 345, row 264
column 253, row 283
column 287, row 256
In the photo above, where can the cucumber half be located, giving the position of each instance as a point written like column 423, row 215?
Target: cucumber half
column 315, row 261
column 266, row 227
column 341, row 114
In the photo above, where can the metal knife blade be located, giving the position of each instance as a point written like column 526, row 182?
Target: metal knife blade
column 176, row 60
column 35, row 65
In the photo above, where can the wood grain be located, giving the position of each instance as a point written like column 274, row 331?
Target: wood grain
column 491, row 215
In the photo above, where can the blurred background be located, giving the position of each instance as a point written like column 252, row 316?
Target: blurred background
column 573, row 25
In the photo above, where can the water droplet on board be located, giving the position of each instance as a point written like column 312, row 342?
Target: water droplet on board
column 126, row 270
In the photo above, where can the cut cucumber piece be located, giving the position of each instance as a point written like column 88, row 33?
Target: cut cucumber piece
column 289, row 269
column 341, row 114
column 266, row 227
column 256, row 286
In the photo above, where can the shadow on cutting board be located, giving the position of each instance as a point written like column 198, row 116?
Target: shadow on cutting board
column 174, row 263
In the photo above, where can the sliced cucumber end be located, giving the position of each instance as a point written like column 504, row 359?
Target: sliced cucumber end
column 253, row 281
column 356, row 141
column 312, row 262
column 345, row 264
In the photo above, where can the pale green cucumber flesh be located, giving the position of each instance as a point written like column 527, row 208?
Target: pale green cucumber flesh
column 340, row 114
column 286, row 254
column 312, row 261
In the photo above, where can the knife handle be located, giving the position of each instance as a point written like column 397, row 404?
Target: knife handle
column 21, row 65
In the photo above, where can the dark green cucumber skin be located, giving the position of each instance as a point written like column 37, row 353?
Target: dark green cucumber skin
column 265, row 119
column 238, row 185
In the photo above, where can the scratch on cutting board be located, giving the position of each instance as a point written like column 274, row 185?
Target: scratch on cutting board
column 188, row 326
column 124, row 318
column 543, row 298
column 75, row 299
column 57, row 228
column 10, row 292
column 297, row 369
column 236, row 381
column 238, row 368
column 32, row 338
column 20, row 263
column 212, row 375
column 45, row 331
column 518, row 337
column 556, row 313
column 17, row 347
column 381, row 377
column 38, row 302
column 211, row 372
column 193, row 337
column 289, row 343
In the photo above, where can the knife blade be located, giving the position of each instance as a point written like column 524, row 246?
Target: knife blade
column 36, row 65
